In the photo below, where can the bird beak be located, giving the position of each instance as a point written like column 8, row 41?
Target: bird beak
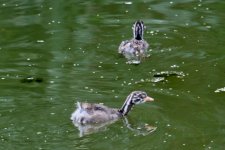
column 148, row 99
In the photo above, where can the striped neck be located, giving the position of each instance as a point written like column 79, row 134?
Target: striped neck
column 124, row 110
column 138, row 30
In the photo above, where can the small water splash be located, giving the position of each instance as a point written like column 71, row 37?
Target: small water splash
column 220, row 90
column 134, row 62
column 169, row 74
column 127, row 3
column 40, row 41
column 30, row 79
column 158, row 79
column 163, row 75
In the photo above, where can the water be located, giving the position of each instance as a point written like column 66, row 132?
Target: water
column 54, row 53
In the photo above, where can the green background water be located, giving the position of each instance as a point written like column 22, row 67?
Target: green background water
column 71, row 46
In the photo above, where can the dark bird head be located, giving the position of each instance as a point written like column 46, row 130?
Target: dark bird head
column 135, row 97
column 138, row 30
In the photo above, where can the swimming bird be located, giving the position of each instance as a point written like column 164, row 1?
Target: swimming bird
column 136, row 48
column 89, row 113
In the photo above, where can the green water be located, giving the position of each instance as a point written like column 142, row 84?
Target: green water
column 69, row 48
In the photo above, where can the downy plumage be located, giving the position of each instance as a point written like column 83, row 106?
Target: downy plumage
column 87, row 113
column 136, row 48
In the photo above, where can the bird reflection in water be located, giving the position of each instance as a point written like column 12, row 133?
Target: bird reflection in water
column 141, row 129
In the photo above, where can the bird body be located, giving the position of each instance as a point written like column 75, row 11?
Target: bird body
column 88, row 113
column 94, row 113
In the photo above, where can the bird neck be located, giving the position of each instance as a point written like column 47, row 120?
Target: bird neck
column 138, row 37
column 128, row 104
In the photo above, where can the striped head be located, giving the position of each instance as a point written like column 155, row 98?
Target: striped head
column 138, row 30
column 136, row 97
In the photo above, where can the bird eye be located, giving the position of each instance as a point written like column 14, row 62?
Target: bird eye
column 144, row 95
column 137, row 100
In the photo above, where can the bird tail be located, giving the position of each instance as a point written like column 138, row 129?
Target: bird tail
column 79, row 105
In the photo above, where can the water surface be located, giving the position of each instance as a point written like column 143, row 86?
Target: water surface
column 66, row 51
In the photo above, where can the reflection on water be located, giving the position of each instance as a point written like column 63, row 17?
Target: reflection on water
column 86, row 129
column 73, row 46
column 142, row 129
